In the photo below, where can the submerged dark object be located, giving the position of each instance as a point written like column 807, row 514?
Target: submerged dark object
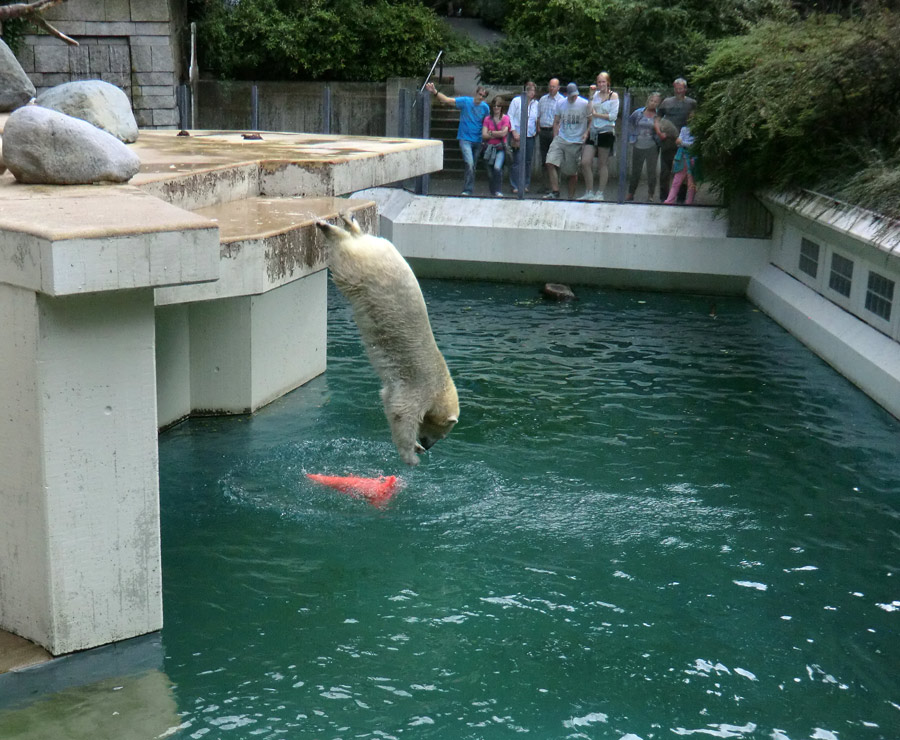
column 558, row 292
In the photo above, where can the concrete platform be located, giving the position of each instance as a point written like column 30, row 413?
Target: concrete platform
column 17, row 652
column 210, row 167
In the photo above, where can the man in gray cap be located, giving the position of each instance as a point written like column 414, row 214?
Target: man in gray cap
column 570, row 130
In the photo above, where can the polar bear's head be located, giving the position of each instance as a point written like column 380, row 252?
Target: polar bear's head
column 440, row 419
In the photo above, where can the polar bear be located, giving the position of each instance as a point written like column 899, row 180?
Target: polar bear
column 418, row 394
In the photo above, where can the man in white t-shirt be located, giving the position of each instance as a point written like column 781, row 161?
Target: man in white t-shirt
column 570, row 130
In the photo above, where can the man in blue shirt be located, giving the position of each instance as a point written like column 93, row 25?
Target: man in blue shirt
column 472, row 112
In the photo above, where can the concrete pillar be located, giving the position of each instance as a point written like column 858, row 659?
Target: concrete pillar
column 248, row 350
column 79, row 535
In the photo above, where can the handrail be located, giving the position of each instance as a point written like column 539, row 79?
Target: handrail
column 430, row 72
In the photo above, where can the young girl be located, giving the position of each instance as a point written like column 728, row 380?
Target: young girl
column 493, row 132
column 601, row 137
column 684, row 166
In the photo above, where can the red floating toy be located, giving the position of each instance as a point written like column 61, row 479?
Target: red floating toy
column 377, row 491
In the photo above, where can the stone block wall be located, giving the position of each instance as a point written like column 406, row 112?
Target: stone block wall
column 134, row 44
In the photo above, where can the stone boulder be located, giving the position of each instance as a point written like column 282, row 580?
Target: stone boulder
column 47, row 147
column 97, row 102
column 15, row 87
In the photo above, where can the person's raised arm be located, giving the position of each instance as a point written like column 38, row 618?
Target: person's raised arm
column 439, row 95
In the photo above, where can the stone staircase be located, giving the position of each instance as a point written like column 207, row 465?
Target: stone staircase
column 444, row 125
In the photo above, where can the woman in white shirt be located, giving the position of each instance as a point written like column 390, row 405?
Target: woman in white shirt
column 601, row 137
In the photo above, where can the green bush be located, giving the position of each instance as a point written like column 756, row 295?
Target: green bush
column 809, row 104
column 639, row 42
column 366, row 40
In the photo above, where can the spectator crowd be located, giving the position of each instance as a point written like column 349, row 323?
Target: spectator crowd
column 575, row 135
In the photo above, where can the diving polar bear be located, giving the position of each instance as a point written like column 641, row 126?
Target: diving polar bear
column 418, row 394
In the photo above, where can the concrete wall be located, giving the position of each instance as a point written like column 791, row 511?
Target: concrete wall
column 134, row 44
column 235, row 355
column 625, row 246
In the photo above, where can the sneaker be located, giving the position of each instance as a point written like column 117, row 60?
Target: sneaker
column 598, row 196
column 498, row 195
column 552, row 195
column 588, row 195
column 466, row 192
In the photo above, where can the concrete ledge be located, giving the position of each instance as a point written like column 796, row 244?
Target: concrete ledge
column 211, row 167
column 629, row 246
column 266, row 243
column 17, row 653
column 65, row 240
column 866, row 357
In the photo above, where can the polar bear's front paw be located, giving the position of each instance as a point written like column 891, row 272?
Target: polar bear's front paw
column 410, row 457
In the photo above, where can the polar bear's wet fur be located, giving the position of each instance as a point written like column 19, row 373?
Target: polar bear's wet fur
column 418, row 394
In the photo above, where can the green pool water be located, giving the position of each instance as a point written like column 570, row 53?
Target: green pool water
column 659, row 516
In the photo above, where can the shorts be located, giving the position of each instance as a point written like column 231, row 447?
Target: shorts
column 603, row 140
column 565, row 155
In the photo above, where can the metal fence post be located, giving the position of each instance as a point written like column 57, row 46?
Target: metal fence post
column 184, row 104
column 523, row 145
column 623, row 147
column 326, row 109
column 254, row 108
column 403, row 113
column 424, row 131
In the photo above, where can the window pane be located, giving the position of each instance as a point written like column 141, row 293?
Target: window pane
column 841, row 274
column 809, row 257
column 880, row 295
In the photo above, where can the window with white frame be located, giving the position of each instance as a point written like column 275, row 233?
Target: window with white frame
column 809, row 257
column 880, row 295
column 841, row 277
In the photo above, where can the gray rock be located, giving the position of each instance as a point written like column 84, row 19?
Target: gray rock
column 48, row 147
column 97, row 102
column 15, row 87
column 558, row 292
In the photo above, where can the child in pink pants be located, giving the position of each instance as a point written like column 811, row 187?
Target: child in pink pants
column 683, row 167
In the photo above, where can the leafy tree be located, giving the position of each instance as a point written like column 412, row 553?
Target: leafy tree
column 639, row 42
column 813, row 104
column 316, row 39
